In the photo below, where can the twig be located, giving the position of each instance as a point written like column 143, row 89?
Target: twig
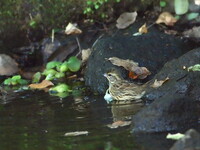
column 79, row 46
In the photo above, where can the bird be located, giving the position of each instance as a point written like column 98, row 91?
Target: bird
column 123, row 90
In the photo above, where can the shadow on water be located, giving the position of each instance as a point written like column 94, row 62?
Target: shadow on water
column 37, row 121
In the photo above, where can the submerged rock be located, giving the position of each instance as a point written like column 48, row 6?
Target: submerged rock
column 151, row 50
column 191, row 141
column 175, row 103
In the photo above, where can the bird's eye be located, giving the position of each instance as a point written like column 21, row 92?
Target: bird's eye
column 109, row 74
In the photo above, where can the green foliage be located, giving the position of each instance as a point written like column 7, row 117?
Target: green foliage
column 181, row 6
column 74, row 64
column 15, row 80
column 194, row 68
column 98, row 8
column 56, row 70
column 163, row 3
column 192, row 16
column 36, row 77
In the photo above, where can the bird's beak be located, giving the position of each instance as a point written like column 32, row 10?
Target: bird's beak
column 105, row 74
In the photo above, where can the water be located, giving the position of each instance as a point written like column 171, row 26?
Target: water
column 37, row 121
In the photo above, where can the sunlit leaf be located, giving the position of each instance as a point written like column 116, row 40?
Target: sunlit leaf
column 74, row 64
column 8, row 81
column 36, row 77
column 166, row 18
column 72, row 29
column 176, row 136
column 63, row 67
column 61, row 95
column 42, row 85
column 143, row 29
column 17, row 77
column 77, row 133
column 157, row 83
column 49, row 71
column 126, row 19
column 59, row 75
column 53, row 64
column 60, row 88
column 194, row 68
column 181, row 6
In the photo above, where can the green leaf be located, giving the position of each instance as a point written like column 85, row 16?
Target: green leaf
column 17, row 77
column 74, row 64
column 7, row 81
column 163, row 3
column 63, row 67
column 61, row 88
column 181, row 6
column 96, row 6
column 36, row 77
column 194, row 68
column 176, row 136
column 61, row 95
column 53, row 64
column 49, row 71
column 59, row 75
column 50, row 77
column 89, row 2
column 22, row 82
column 192, row 16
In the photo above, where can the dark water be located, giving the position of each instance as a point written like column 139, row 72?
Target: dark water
column 37, row 121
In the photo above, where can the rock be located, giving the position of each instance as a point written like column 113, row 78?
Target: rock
column 8, row 66
column 59, row 49
column 175, row 102
column 191, row 141
column 151, row 50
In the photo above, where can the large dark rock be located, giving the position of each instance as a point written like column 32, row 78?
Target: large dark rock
column 191, row 141
column 175, row 103
column 151, row 50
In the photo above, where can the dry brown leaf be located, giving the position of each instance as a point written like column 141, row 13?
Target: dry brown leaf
column 131, row 66
column 85, row 54
column 118, row 124
column 126, row 19
column 72, row 29
column 42, row 85
column 157, row 83
column 143, row 29
column 166, row 18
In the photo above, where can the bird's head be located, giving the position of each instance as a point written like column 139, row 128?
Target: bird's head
column 112, row 77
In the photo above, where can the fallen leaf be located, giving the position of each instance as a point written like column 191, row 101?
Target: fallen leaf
column 85, row 54
column 42, row 85
column 143, row 29
column 194, row 68
column 131, row 66
column 118, row 124
column 77, row 133
column 157, row 83
column 126, row 19
column 176, row 136
column 72, row 29
column 166, row 18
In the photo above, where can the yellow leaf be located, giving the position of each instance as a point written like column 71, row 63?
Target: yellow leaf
column 143, row 29
column 157, row 83
column 42, row 85
column 72, row 29
column 166, row 18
